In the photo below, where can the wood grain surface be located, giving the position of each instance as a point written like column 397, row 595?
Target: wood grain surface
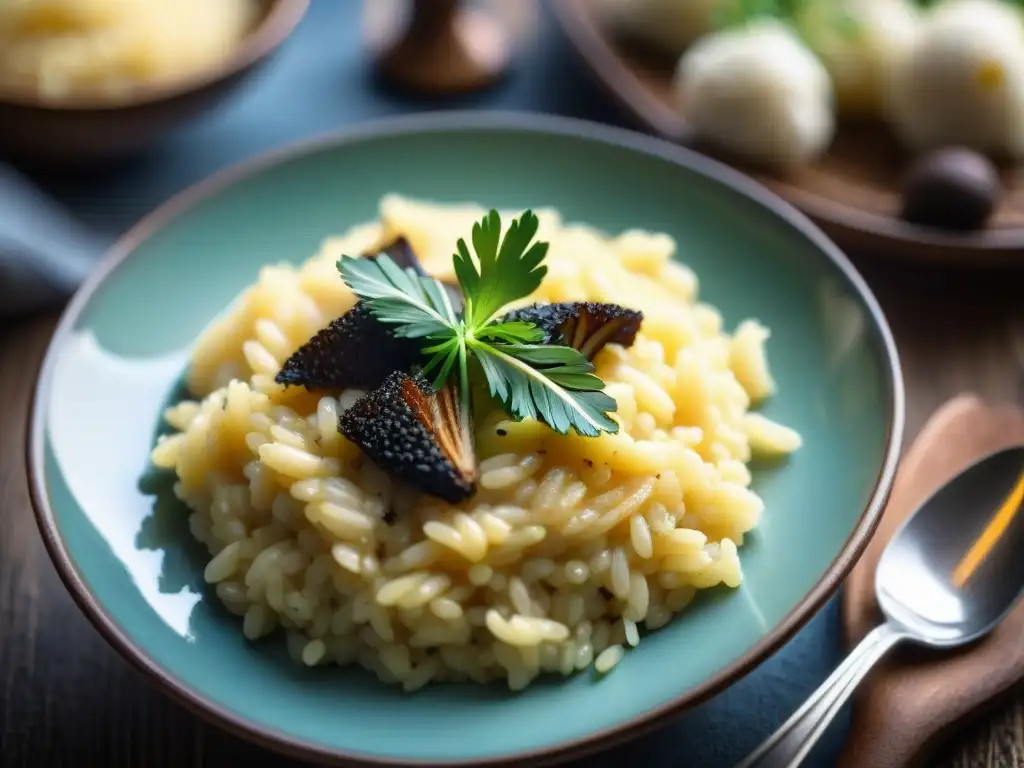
column 67, row 699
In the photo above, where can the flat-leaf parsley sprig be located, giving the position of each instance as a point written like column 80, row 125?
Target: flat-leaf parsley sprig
column 551, row 383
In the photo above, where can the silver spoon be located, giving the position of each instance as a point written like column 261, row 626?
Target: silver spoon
column 950, row 574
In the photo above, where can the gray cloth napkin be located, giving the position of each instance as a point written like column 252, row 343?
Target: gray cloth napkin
column 44, row 253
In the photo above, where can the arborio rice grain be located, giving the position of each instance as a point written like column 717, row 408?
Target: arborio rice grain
column 571, row 545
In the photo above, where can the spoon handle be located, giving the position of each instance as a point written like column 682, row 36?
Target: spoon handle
column 789, row 745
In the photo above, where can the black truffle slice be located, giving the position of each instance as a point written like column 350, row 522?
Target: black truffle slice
column 406, row 427
column 584, row 325
column 355, row 350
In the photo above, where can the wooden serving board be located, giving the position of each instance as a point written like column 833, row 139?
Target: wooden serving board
column 910, row 702
column 853, row 192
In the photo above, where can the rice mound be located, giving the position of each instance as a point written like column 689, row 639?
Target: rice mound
column 65, row 48
column 571, row 544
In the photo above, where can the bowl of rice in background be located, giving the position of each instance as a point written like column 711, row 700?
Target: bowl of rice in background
column 234, row 546
column 86, row 81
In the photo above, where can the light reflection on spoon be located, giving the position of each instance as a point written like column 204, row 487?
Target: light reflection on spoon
column 989, row 537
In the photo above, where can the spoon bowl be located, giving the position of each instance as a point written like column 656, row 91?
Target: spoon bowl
column 949, row 575
column 928, row 581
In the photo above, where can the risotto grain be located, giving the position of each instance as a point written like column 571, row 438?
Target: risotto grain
column 571, row 546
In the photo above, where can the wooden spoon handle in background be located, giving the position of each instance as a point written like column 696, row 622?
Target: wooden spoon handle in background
column 916, row 697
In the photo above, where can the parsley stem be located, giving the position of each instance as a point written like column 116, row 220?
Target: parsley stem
column 464, row 392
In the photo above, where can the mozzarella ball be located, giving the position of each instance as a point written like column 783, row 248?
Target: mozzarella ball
column 668, row 26
column 758, row 92
column 962, row 81
column 859, row 42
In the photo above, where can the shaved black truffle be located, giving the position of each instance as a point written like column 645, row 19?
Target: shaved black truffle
column 583, row 325
column 356, row 350
column 406, row 427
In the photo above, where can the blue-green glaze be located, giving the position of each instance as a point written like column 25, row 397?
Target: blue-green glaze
column 121, row 541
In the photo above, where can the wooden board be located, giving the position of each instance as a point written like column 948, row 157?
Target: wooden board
column 852, row 192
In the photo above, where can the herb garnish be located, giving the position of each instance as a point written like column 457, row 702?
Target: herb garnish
column 552, row 383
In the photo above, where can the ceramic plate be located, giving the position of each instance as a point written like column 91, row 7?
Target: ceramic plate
column 853, row 192
column 121, row 542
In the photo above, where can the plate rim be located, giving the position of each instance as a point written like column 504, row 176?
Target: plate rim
column 452, row 122
column 990, row 248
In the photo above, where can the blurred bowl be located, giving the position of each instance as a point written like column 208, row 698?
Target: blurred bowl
column 89, row 129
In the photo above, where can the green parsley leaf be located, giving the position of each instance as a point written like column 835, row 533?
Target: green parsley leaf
column 512, row 332
column 418, row 306
column 505, row 274
column 444, row 357
column 552, row 384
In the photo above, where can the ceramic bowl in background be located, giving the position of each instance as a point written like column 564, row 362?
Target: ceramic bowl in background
column 87, row 130
column 120, row 539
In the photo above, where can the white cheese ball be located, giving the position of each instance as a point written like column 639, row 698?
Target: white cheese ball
column 963, row 80
column 667, row 26
column 859, row 42
column 758, row 92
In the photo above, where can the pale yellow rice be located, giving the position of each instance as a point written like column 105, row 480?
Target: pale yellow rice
column 65, row 48
column 570, row 547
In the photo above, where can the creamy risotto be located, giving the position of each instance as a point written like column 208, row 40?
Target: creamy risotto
column 570, row 547
column 63, row 48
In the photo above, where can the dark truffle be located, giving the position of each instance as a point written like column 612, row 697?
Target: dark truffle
column 356, row 350
column 953, row 188
column 585, row 326
column 419, row 434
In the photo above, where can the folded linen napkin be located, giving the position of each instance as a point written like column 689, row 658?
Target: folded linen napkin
column 44, row 252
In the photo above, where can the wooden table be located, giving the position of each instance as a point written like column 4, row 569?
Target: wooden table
column 67, row 699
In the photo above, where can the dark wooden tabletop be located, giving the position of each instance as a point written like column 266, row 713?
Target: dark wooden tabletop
column 67, row 699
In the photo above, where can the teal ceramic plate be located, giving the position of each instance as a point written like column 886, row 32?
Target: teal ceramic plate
column 121, row 543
